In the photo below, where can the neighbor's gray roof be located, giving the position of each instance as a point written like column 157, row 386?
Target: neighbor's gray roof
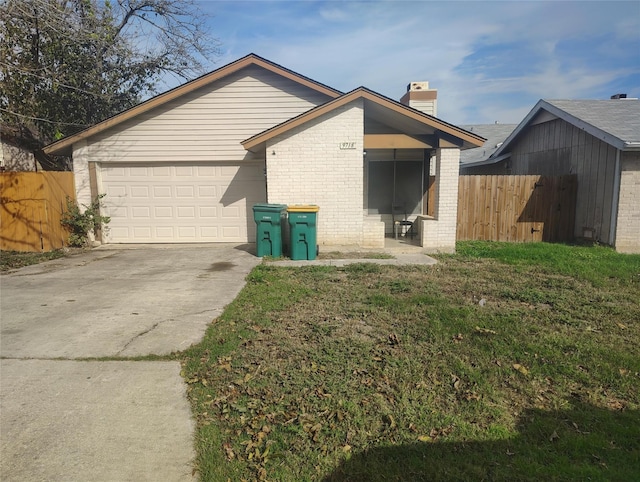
column 495, row 134
column 619, row 118
column 614, row 121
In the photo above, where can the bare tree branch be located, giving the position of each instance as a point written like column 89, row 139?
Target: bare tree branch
column 68, row 63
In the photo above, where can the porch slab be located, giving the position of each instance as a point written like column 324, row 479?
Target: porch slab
column 403, row 252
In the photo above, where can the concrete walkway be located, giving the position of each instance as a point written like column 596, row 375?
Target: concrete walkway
column 401, row 252
column 65, row 418
column 397, row 260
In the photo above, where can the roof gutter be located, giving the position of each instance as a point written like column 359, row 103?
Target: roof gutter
column 487, row 162
column 631, row 146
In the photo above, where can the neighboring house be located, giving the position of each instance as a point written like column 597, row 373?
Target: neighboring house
column 16, row 150
column 20, row 151
column 599, row 141
column 188, row 165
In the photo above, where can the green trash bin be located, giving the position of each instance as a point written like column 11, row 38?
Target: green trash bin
column 302, row 232
column 269, row 219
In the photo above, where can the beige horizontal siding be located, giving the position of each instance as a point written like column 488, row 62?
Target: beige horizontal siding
column 207, row 124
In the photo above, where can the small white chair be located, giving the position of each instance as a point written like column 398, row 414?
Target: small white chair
column 400, row 221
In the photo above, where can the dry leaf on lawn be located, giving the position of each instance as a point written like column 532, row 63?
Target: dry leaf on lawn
column 522, row 369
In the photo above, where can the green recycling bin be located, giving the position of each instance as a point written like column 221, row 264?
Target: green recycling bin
column 303, row 235
column 269, row 219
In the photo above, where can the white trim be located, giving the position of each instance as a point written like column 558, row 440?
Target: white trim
column 615, row 200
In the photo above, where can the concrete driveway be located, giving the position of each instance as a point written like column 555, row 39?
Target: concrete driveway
column 63, row 417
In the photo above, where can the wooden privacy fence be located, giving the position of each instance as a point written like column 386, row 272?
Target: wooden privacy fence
column 516, row 208
column 31, row 206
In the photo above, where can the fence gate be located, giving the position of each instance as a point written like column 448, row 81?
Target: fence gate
column 516, row 208
column 31, row 206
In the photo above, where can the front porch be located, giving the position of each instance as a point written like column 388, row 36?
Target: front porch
column 368, row 162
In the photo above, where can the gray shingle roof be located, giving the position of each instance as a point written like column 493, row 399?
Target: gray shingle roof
column 619, row 118
column 495, row 134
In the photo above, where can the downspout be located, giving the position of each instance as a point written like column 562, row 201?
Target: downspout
column 615, row 200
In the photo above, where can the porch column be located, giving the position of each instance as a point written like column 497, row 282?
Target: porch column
column 438, row 234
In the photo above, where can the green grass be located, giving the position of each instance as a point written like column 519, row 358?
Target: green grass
column 503, row 362
column 14, row 259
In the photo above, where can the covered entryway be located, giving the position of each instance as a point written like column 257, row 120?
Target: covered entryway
column 358, row 157
column 397, row 180
column 169, row 203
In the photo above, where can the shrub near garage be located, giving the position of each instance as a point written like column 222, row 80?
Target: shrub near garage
column 82, row 222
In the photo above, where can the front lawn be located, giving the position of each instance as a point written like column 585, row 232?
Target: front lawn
column 503, row 362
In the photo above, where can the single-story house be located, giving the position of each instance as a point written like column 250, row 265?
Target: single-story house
column 599, row 142
column 189, row 164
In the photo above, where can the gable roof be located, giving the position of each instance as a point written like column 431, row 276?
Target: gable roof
column 614, row 121
column 414, row 117
column 63, row 146
column 495, row 135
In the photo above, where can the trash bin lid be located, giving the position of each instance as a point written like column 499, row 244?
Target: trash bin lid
column 303, row 208
column 269, row 207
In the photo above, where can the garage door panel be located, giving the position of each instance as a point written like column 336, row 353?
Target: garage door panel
column 182, row 171
column 185, row 191
column 181, row 203
column 208, row 212
column 160, row 212
column 161, row 171
column 139, row 192
column 142, row 172
column 186, row 212
column 143, row 212
column 206, row 171
column 161, row 192
column 206, row 191
column 209, row 232
column 164, row 233
column 116, row 191
column 230, row 232
column 142, row 231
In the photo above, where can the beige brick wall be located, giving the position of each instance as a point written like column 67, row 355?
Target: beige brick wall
column 628, row 225
column 373, row 232
column 308, row 166
column 439, row 234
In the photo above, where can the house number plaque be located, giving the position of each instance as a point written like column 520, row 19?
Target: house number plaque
column 347, row 145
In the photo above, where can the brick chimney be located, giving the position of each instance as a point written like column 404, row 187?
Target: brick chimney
column 420, row 97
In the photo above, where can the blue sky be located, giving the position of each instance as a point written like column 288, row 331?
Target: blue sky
column 490, row 61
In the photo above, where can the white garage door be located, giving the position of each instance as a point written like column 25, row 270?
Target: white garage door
column 181, row 203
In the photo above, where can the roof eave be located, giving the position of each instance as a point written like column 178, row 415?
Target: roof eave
column 487, row 162
column 564, row 115
column 631, row 146
column 256, row 142
column 64, row 146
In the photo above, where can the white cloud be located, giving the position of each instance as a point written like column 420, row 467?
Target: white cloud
column 485, row 58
